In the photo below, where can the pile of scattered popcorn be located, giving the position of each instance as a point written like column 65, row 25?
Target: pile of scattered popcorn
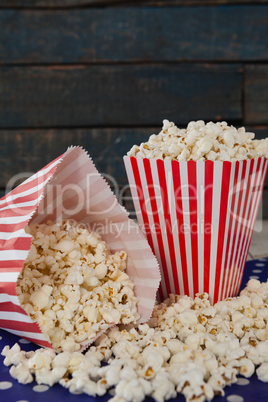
column 73, row 286
column 188, row 347
column 200, row 141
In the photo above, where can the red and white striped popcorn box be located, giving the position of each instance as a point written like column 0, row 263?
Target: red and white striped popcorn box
column 199, row 219
column 70, row 187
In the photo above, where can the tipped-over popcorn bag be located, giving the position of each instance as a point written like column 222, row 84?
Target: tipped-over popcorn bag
column 69, row 188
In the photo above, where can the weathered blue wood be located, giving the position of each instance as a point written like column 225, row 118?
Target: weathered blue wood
column 122, row 95
column 131, row 34
column 101, row 3
column 256, row 94
column 63, row 3
column 30, row 150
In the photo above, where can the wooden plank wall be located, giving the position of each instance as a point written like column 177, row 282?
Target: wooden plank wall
column 105, row 73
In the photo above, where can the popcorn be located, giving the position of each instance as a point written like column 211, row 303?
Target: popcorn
column 159, row 359
column 73, row 286
column 200, row 141
column 262, row 372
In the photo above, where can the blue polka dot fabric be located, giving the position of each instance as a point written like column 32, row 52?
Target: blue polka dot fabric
column 246, row 390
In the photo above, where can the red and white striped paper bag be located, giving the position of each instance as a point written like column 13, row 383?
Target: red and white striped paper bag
column 69, row 187
column 198, row 218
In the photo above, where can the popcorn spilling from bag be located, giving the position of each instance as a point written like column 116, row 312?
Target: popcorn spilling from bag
column 200, row 141
column 73, row 286
column 188, row 347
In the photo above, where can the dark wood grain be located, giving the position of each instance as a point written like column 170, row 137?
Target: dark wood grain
column 131, row 34
column 118, row 95
column 58, row 3
column 101, row 3
column 256, row 94
column 30, row 150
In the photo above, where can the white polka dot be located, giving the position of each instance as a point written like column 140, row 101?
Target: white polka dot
column 22, row 340
column 5, row 385
column 1, row 338
column 242, row 381
column 262, row 259
column 257, row 271
column 22, row 400
column 40, row 388
column 254, row 277
column 259, row 264
column 235, row 398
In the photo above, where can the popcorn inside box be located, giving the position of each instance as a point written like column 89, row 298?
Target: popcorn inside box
column 72, row 264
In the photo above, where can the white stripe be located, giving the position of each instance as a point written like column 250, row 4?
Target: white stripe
column 234, row 213
column 13, row 316
column 23, row 334
column 13, row 235
column 247, row 234
column 32, row 178
column 187, row 223
column 150, row 217
column 144, row 264
column 134, row 193
column 174, row 222
column 148, row 282
column 18, row 206
column 23, row 194
column 8, row 276
column 4, row 297
column 53, row 203
column 251, row 199
column 130, row 244
column 200, row 186
column 14, row 219
column 13, row 255
column 160, row 209
column 254, row 203
column 216, row 202
column 224, row 267
column 241, row 227
column 146, row 302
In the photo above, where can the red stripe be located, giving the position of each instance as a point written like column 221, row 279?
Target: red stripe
column 238, row 226
column 209, row 174
column 17, row 243
column 243, row 225
column 17, row 211
column 192, row 190
column 13, row 264
column 227, row 269
column 39, row 180
column 13, row 227
column 250, row 230
column 225, row 188
column 237, row 193
column 141, row 200
column 137, row 179
column 179, row 213
column 20, row 326
column 164, row 196
column 11, row 307
column 149, row 179
column 11, row 269
column 8, row 287
column 25, row 198
column 250, row 215
column 39, row 342
column 45, row 344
